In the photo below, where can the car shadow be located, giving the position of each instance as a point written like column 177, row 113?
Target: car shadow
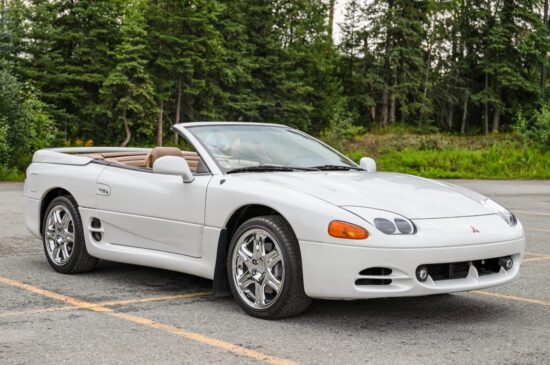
column 404, row 314
column 381, row 314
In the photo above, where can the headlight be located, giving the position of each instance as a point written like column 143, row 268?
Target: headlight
column 501, row 211
column 386, row 222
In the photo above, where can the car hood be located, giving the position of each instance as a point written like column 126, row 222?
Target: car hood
column 411, row 196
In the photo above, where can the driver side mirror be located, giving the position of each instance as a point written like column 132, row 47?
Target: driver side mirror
column 173, row 165
column 368, row 164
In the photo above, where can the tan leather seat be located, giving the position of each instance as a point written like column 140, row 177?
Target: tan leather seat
column 192, row 158
column 158, row 152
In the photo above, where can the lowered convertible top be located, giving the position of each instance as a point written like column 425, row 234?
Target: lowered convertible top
column 76, row 155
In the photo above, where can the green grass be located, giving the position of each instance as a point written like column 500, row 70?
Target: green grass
column 11, row 174
column 445, row 156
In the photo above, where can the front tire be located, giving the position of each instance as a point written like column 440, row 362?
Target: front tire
column 63, row 238
column 265, row 269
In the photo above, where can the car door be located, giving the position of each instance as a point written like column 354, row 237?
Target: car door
column 139, row 208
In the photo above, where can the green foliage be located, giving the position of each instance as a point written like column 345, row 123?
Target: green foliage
column 128, row 91
column 123, row 71
column 341, row 129
column 25, row 126
column 497, row 162
column 536, row 130
column 11, row 174
column 444, row 156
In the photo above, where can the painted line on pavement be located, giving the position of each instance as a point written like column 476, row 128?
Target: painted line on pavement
column 538, row 230
column 107, row 304
column 543, row 214
column 197, row 337
column 511, row 297
column 537, row 257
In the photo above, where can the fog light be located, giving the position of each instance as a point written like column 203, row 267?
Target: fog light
column 422, row 273
column 506, row 262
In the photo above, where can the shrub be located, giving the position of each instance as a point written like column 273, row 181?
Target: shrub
column 536, row 129
column 25, row 126
column 341, row 128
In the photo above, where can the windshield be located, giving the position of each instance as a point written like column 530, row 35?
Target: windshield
column 243, row 146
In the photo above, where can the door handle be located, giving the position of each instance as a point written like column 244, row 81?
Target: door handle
column 103, row 189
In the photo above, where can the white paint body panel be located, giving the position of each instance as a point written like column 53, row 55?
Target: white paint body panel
column 162, row 213
column 159, row 221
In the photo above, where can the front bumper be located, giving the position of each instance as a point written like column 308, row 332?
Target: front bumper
column 331, row 270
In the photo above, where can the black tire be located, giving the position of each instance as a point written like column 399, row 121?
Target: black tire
column 79, row 260
column 292, row 300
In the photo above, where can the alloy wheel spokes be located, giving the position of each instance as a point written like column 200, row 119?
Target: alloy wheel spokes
column 258, row 268
column 59, row 235
column 258, row 245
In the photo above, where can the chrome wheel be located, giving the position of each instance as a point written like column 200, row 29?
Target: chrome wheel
column 258, row 268
column 59, row 235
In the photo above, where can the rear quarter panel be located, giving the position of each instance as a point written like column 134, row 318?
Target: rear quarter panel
column 78, row 180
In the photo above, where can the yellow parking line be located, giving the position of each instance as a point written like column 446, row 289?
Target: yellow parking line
column 544, row 214
column 536, row 254
column 511, row 297
column 538, row 230
column 155, row 299
column 80, row 304
column 37, row 311
column 107, row 304
column 536, row 259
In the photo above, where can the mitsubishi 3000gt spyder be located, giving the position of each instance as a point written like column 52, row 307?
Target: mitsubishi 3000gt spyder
column 271, row 214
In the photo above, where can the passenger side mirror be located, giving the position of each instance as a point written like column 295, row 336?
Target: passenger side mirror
column 173, row 165
column 368, row 164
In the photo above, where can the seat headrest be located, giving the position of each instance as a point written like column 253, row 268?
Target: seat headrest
column 161, row 152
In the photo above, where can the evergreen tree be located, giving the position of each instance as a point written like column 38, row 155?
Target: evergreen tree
column 186, row 48
column 129, row 90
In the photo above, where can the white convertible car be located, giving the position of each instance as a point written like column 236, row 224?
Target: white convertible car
column 270, row 212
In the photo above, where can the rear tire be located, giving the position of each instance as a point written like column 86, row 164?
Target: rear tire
column 63, row 238
column 264, row 268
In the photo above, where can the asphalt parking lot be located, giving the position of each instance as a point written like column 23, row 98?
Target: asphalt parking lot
column 124, row 313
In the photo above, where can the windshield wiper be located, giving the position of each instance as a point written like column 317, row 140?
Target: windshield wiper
column 336, row 167
column 263, row 168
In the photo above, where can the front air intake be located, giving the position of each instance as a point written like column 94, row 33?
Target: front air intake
column 376, row 271
column 374, row 276
column 96, row 230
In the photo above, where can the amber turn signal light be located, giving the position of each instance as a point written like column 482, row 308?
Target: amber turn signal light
column 346, row 230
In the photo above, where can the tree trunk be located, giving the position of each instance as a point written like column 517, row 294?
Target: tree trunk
column 543, row 67
column 373, row 114
column 496, row 115
column 393, row 99
column 159, row 124
column 385, row 102
column 496, row 120
column 464, row 114
column 427, row 72
column 126, row 127
column 450, row 117
column 331, row 20
column 178, row 109
column 486, row 113
column 387, row 74
column 392, row 110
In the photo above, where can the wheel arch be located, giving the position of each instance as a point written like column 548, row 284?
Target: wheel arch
column 238, row 217
column 47, row 199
